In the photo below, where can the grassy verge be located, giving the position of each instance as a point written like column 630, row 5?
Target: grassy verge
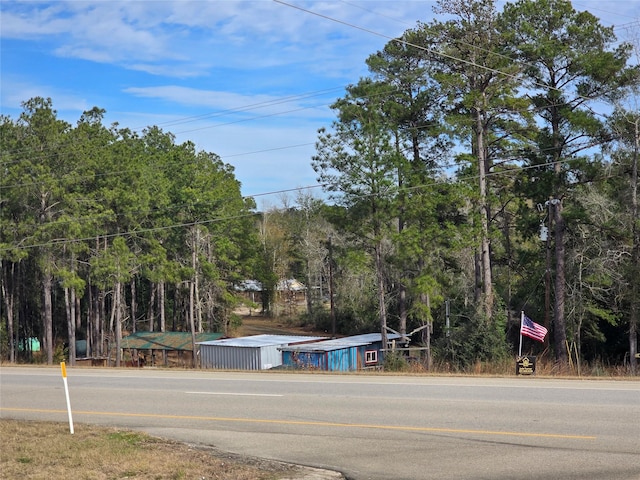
column 44, row 450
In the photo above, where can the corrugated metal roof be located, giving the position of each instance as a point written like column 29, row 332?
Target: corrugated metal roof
column 290, row 284
column 249, row 286
column 257, row 352
column 265, row 340
column 165, row 340
column 339, row 343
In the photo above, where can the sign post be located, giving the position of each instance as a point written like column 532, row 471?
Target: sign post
column 63, row 367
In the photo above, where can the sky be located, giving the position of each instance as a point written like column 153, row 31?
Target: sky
column 251, row 81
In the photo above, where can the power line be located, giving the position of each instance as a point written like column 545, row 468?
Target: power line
column 321, row 92
column 426, row 49
column 275, row 102
column 265, row 104
column 404, row 42
column 24, row 151
column 131, row 233
column 124, row 172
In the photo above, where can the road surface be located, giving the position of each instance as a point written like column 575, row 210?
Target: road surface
column 369, row 427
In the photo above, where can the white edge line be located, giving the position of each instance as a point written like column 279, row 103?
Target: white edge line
column 236, row 394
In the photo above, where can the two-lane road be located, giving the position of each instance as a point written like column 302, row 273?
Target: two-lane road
column 366, row 426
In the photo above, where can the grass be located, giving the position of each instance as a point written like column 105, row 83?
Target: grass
column 45, row 450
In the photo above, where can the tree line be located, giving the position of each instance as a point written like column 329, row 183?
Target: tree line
column 105, row 229
column 470, row 138
column 487, row 165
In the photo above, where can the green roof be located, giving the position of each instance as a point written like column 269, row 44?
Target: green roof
column 165, row 340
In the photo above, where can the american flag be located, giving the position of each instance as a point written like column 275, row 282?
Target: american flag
column 531, row 329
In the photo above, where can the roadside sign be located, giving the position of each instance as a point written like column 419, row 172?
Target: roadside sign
column 526, row 365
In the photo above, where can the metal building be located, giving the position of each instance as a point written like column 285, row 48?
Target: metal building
column 257, row 352
column 337, row 355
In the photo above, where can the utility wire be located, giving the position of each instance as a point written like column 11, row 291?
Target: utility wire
column 321, row 92
column 250, row 214
column 290, row 98
column 265, row 104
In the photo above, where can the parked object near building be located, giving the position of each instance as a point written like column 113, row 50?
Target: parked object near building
column 345, row 354
column 256, row 352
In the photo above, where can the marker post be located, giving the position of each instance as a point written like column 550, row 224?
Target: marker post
column 66, row 392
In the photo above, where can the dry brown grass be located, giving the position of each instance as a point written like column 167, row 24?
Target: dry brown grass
column 44, row 450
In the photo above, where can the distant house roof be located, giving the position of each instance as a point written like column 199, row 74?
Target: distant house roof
column 165, row 340
column 249, row 286
column 339, row 343
column 290, row 284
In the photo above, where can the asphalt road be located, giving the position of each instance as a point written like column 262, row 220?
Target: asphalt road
column 365, row 426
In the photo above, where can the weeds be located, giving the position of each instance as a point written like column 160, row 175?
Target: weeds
column 45, row 450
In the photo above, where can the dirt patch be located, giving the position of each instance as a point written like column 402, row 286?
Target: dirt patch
column 259, row 325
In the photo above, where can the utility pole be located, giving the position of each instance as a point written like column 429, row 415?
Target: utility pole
column 546, row 237
column 333, row 313
column 547, row 274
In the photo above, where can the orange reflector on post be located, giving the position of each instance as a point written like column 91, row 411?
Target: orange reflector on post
column 63, row 367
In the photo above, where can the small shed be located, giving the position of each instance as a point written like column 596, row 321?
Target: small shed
column 174, row 346
column 256, row 352
column 338, row 355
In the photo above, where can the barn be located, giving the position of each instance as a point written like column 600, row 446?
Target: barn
column 256, row 352
column 337, row 355
column 162, row 348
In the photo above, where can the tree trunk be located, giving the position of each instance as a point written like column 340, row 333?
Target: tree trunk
column 402, row 309
column 8, row 294
column 161, row 291
column 635, row 257
column 485, row 252
column 426, row 300
column 477, row 270
column 151, row 314
column 47, row 287
column 134, row 308
column 192, row 293
column 118, row 321
column 307, row 293
column 402, row 288
column 70, row 305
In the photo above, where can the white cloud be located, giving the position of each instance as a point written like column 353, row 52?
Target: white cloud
column 227, row 106
column 16, row 89
column 175, row 70
column 226, row 71
column 194, row 96
column 149, row 36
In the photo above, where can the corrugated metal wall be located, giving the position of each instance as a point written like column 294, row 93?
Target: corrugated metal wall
column 342, row 360
column 240, row 358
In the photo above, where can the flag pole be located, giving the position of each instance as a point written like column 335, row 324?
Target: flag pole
column 521, row 319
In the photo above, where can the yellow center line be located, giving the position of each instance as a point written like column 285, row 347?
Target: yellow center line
column 312, row 423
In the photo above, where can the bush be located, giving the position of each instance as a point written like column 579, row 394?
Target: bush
column 395, row 362
column 475, row 340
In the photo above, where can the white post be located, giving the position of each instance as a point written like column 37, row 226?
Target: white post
column 66, row 392
column 520, row 332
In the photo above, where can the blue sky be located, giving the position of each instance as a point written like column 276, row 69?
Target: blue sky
column 248, row 80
